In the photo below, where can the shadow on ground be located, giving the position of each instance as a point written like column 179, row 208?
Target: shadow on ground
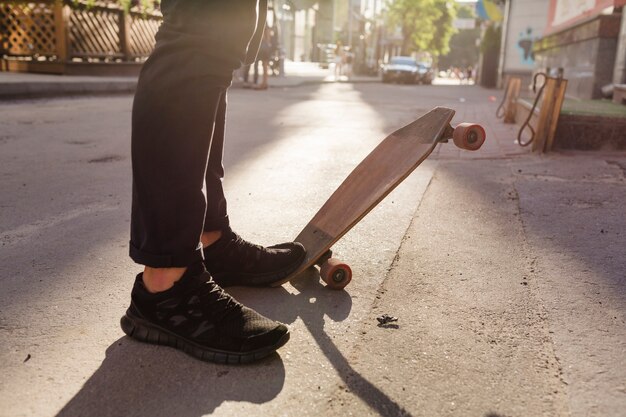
column 137, row 379
column 313, row 303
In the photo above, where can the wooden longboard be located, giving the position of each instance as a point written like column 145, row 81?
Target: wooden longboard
column 370, row 182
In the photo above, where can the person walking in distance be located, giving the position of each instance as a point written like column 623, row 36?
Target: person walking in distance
column 339, row 58
column 348, row 59
column 180, row 229
column 265, row 54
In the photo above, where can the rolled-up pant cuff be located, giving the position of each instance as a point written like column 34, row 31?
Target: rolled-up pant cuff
column 180, row 260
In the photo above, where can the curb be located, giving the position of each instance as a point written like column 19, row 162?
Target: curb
column 43, row 89
column 303, row 83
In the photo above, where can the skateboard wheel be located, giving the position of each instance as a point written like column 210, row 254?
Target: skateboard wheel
column 335, row 274
column 469, row 136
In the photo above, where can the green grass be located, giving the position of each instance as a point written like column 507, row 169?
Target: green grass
column 593, row 108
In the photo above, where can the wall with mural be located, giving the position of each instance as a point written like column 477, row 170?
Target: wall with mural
column 526, row 23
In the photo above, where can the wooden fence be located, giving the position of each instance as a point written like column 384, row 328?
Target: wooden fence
column 58, row 31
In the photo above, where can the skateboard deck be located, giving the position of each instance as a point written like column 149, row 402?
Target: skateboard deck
column 370, row 182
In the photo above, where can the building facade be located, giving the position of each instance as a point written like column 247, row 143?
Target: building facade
column 524, row 23
column 587, row 39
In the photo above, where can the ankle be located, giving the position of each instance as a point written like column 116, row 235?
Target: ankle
column 209, row 238
column 161, row 279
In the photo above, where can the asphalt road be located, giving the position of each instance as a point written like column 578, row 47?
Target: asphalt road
column 506, row 272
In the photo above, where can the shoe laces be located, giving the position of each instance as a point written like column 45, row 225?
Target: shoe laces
column 244, row 250
column 215, row 302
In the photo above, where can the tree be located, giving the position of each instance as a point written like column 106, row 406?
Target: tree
column 463, row 44
column 426, row 24
column 490, row 48
column 440, row 43
column 143, row 5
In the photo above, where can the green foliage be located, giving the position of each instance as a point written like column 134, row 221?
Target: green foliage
column 440, row 43
column 426, row 24
column 464, row 48
column 491, row 39
column 141, row 5
column 466, row 12
column 88, row 3
column 125, row 4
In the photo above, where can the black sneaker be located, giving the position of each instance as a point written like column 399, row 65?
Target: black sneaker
column 199, row 318
column 234, row 261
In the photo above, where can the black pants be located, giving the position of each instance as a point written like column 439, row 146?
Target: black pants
column 178, row 120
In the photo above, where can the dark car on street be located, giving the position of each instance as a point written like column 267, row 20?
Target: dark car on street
column 407, row 70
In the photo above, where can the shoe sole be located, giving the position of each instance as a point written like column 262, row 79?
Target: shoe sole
column 147, row 332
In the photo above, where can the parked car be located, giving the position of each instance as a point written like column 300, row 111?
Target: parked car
column 408, row 70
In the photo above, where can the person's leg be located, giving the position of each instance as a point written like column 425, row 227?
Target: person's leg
column 246, row 75
column 266, row 69
column 174, row 301
column 171, row 136
column 230, row 259
column 216, row 216
column 256, row 71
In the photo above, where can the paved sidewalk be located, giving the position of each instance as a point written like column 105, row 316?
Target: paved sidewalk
column 26, row 85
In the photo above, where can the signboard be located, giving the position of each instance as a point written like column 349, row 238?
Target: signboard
column 569, row 9
column 565, row 13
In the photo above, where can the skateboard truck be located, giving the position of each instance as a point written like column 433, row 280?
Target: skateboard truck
column 326, row 256
column 447, row 134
